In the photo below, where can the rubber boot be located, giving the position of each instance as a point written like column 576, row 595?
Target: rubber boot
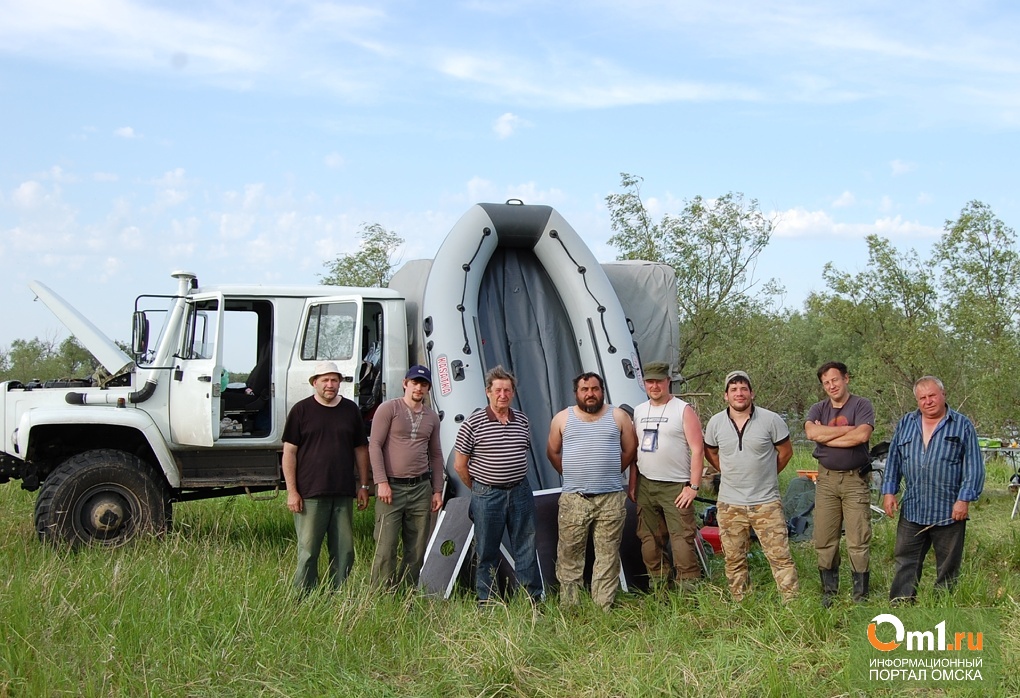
column 862, row 581
column 830, row 585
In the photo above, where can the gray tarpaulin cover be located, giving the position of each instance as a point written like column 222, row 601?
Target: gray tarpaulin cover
column 647, row 292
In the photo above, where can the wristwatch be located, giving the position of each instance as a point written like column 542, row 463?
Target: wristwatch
column 365, row 487
column 694, row 487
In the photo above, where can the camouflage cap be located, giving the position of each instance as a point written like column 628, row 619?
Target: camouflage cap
column 656, row 370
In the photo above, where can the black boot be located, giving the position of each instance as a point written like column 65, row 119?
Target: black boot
column 862, row 581
column 830, row 585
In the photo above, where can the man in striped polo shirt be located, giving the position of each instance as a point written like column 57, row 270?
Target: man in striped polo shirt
column 590, row 445
column 935, row 451
column 491, row 457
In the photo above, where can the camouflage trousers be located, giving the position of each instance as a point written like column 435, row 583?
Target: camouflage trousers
column 603, row 515
column 767, row 520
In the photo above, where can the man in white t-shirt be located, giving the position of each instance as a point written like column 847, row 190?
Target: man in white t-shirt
column 666, row 478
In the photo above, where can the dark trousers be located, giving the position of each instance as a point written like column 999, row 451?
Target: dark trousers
column 912, row 544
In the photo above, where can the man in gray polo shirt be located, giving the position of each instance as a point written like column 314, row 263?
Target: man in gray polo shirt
column 750, row 446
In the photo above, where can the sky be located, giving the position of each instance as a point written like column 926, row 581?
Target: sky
column 250, row 141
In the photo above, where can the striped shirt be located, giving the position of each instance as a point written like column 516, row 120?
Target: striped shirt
column 497, row 453
column 949, row 469
column 591, row 454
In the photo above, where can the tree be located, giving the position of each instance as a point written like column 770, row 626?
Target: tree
column 884, row 324
column 980, row 267
column 713, row 245
column 372, row 265
column 46, row 360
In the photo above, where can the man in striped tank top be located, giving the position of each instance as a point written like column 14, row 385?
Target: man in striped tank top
column 491, row 457
column 590, row 444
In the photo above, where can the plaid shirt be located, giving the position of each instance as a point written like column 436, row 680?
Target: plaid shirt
column 949, row 469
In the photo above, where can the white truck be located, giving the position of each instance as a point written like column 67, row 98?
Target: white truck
column 111, row 458
column 111, row 454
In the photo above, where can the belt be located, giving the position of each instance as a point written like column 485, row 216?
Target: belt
column 589, row 495
column 502, row 485
column 424, row 477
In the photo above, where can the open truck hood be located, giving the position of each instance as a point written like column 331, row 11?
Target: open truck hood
column 109, row 354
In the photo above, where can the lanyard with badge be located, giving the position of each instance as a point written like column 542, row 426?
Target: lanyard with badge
column 650, row 440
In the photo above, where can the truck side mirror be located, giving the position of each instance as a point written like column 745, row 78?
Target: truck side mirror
column 139, row 333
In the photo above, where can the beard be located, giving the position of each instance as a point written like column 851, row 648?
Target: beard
column 592, row 407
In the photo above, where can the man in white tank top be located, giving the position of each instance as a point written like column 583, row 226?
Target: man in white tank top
column 590, row 445
column 670, row 460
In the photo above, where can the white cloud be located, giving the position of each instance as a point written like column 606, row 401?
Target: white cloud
column 125, row 132
column 29, row 195
column 901, row 167
column 334, row 160
column 885, row 204
column 480, row 189
column 843, row 200
column 506, row 125
column 529, row 193
column 171, row 189
column 578, row 81
column 924, row 198
column 104, row 177
column 801, row 223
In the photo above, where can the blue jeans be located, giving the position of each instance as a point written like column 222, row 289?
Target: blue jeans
column 331, row 518
column 912, row 544
column 493, row 511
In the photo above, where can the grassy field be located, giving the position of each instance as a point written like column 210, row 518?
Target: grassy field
column 207, row 611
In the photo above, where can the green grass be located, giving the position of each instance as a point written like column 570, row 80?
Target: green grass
column 207, row 610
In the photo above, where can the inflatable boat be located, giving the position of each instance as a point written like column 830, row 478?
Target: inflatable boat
column 514, row 285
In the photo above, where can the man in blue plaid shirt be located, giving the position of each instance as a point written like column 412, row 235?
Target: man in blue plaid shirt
column 935, row 452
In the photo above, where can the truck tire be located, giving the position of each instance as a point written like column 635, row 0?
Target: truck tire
column 103, row 497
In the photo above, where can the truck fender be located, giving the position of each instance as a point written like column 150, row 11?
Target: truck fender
column 133, row 419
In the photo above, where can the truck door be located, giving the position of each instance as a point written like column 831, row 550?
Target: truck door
column 331, row 330
column 198, row 364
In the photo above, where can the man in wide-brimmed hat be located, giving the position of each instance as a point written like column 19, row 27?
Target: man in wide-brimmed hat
column 323, row 442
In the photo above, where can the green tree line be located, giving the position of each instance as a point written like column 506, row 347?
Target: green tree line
column 953, row 313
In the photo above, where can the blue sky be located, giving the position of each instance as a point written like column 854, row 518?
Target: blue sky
column 247, row 141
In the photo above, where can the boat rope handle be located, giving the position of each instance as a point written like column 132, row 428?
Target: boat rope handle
column 583, row 272
column 486, row 232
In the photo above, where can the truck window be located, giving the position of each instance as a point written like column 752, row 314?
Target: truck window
column 200, row 340
column 329, row 334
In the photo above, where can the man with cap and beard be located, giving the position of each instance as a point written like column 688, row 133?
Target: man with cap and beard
column 407, row 467
column 323, row 441
column 670, row 458
column 749, row 446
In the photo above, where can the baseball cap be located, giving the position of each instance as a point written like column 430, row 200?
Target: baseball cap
column 322, row 368
column 420, row 373
column 733, row 375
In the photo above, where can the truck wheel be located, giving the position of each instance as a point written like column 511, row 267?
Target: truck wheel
column 104, row 497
